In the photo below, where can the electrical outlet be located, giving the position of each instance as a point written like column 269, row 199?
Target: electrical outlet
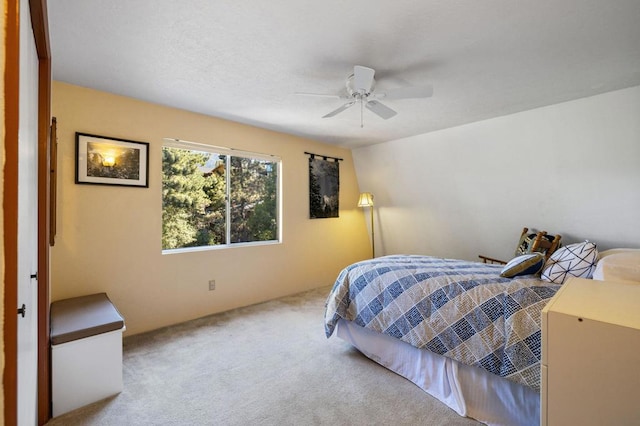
column 212, row 284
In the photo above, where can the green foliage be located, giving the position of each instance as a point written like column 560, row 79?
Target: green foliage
column 188, row 195
column 262, row 223
column 194, row 199
column 253, row 200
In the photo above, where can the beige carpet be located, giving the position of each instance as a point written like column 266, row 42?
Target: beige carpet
column 268, row 364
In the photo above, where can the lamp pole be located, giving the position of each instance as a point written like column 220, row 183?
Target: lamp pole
column 373, row 239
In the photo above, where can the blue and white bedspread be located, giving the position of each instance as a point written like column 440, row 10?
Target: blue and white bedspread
column 460, row 309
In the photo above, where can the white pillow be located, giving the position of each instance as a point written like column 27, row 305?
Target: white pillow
column 623, row 266
column 609, row 252
column 574, row 260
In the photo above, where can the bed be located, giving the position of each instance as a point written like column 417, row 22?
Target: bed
column 457, row 329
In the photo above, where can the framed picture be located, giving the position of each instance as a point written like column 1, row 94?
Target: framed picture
column 111, row 161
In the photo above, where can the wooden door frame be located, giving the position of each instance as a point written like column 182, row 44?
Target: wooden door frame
column 40, row 24
column 39, row 21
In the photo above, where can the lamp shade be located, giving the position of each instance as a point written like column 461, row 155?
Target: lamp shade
column 366, row 200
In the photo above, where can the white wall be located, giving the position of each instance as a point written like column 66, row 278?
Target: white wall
column 571, row 168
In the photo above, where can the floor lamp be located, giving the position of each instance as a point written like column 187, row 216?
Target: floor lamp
column 366, row 200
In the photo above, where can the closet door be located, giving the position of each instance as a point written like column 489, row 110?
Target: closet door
column 27, row 224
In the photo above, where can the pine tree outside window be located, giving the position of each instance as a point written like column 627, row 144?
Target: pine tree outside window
column 216, row 197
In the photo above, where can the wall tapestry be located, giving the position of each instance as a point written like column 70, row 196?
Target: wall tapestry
column 324, row 186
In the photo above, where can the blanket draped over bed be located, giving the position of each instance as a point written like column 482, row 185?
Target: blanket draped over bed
column 459, row 309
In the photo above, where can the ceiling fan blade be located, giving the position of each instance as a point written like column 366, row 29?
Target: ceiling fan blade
column 381, row 110
column 339, row 110
column 362, row 78
column 322, row 95
column 410, row 92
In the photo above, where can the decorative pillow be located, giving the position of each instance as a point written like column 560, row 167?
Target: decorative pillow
column 524, row 244
column 619, row 266
column 527, row 264
column 574, row 260
column 526, row 241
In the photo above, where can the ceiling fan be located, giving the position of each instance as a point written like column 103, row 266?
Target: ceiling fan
column 360, row 90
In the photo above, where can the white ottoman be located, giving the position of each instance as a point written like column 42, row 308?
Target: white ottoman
column 86, row 351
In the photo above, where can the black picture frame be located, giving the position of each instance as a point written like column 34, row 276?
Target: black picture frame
column 103, row 160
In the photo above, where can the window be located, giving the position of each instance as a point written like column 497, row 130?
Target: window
column 215, row 196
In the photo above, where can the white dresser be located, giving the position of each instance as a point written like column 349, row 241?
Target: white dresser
column 591, row 355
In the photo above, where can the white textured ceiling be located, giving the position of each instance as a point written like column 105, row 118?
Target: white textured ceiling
column 244, row 60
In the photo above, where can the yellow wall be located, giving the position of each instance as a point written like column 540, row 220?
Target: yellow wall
column 109, row 238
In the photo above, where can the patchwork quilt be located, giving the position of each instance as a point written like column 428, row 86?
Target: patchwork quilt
column 459, row 309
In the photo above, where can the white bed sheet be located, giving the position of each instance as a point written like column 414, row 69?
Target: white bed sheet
column 469, row 391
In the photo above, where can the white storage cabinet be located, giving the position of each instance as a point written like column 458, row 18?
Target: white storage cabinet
column 86, row 351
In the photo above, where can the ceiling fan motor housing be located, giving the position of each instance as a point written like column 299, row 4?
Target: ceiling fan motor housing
column 354, row 92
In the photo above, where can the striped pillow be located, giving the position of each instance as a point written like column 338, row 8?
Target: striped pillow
column 527, row 264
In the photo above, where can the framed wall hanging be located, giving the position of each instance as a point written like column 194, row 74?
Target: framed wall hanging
column 111, row 161
column 324, row 186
